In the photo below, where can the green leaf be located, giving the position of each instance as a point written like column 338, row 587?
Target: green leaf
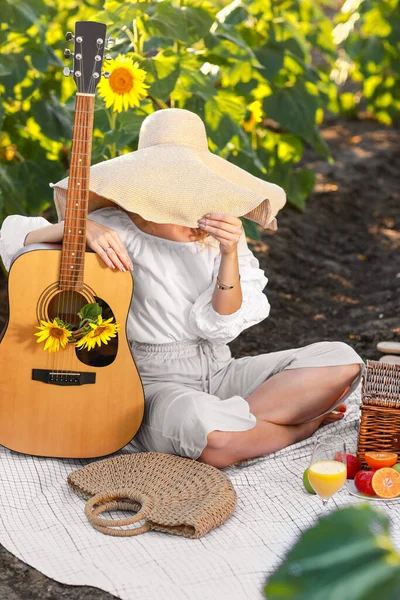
column 349, row 549
column 293, row 107
column 8, row 193
column 185, row 23
column 154, row 44
column 196, row 104
column 241, row 44
column 375, row 23
column 126, row 131
column 20, row 15
column 62, row 323
column 319, row 144
column 17, row 68
column 224, row 112
column 32, row 177
column 192, row 81
column 40, row 58
column 271, row 58
column 199, row 21
column 301, row 184
column 163, row 72
column 53, row 118
column 125, row 12
column 168, row 22
column 246, row 158
column 250, row 229
column 290, row 148
column 131, row 123
column 4, row 69
column 89, row 312
column 237, row 15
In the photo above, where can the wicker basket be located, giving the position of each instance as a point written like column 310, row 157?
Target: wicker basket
column 380, row 409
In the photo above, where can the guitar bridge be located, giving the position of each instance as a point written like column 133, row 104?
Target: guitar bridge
column 63, row 377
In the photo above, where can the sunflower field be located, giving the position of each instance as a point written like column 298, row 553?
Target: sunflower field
column 262, row 74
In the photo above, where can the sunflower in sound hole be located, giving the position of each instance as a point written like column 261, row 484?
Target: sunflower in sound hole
column 92, row 331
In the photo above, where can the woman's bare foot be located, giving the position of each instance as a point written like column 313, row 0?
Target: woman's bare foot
column 336, row 415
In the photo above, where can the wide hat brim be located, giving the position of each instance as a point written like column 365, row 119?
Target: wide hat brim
column 178, row 183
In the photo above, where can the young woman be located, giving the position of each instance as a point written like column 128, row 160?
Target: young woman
column 200, row 402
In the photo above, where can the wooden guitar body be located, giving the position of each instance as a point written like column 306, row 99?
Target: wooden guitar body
column 54, row 404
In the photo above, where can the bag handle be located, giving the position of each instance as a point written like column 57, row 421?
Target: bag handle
column 108, row 500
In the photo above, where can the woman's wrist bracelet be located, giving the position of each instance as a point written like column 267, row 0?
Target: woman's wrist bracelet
column 224, row 286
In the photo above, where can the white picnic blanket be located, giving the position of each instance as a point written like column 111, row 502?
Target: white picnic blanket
column 43, row 524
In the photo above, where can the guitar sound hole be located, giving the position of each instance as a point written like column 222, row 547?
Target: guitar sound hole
column 105, row 354
column 66, row 305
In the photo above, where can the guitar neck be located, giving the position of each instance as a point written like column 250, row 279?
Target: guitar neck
column 74, row 240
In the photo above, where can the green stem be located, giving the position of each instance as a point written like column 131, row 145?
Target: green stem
column 157, row 101
column 112, row 118
column 138, row 35
column 254, row 139
column 130, row 36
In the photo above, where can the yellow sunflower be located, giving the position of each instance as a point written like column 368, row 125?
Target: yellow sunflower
column 125, row 87
column 101, row 332
column 255, row 110
column 55, row 335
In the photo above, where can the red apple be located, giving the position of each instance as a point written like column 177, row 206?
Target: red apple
column 353, row 464
column 363, row 483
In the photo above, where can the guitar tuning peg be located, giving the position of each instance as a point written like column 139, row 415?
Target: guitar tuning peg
column 67, row 71
column 106, row 74
column 68, row 53
column 69, row 36
column 108, row 57
column 110, row 41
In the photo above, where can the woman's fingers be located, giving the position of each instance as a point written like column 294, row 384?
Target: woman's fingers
column 224, row 226
column 103, row 255
column 114, row 258
column 118, row 247
column 223, row 217
column 222, row 233
column 110, row 257
column 108, row 245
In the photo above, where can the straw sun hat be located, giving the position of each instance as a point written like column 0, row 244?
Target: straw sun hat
column 174, row 178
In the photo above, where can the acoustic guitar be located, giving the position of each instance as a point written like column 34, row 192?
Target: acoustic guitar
column 74, row 403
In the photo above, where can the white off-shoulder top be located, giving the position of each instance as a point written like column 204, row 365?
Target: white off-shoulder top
column 173, row 281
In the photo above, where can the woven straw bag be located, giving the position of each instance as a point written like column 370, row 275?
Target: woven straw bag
column 174, row 494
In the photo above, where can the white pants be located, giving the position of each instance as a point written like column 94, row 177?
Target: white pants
column 193, row 388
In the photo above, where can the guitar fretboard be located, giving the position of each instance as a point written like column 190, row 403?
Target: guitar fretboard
column 74, row 241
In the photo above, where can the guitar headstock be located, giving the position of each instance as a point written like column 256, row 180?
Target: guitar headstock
column 89, row 44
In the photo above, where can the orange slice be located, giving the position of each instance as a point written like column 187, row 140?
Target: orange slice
column 379, row 460
column 386, row 483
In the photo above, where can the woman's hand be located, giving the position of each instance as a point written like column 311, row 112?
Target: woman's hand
column 224, row 228
column 99, row 238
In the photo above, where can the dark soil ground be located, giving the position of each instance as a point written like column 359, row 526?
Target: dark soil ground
column 334, row 274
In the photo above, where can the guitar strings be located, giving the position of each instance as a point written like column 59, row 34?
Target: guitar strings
column 66, row 304
column 83, row 121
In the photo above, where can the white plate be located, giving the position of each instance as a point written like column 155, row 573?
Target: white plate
column 351, row 487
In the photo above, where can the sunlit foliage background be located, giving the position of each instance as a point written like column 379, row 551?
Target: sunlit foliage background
column 296, row 60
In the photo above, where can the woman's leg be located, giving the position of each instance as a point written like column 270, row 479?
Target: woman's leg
column 226, row 447
column 289, row 407
column 282, row 405
column 295, row 396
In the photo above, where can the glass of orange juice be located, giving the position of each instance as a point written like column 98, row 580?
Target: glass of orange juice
column 327, row 475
